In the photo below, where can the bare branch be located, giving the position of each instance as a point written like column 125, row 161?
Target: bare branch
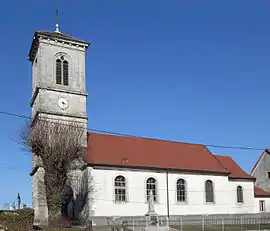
column 58, row 146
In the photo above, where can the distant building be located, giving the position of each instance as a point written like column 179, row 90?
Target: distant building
column 261, row 171
column 184, row 178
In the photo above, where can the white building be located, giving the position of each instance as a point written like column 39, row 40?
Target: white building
column 185, row 178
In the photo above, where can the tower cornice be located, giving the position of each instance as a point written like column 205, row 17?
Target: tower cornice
column 38, row 88
column 43, row 115
column 57, row 37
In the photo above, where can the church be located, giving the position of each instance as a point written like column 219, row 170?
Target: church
column 184, row 178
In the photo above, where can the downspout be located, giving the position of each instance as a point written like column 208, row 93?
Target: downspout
column 168, row 201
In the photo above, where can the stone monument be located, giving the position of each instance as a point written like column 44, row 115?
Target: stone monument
column 151, row 215
column 152, row 219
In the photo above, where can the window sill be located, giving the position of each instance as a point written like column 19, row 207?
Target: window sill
column 210, row 203
column 182, row 203
column 240, row 203
column 155, row 202
column 120, row 202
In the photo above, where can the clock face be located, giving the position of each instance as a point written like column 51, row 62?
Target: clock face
column 63, row 103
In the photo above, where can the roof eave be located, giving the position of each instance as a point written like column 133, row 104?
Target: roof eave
column 35, row 42
column 262, row 196
column 65, row 37
column 242, row 178
column 92, row 164
column 33, row 48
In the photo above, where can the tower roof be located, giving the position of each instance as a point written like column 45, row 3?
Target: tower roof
column 58, row 35
column 68, row 39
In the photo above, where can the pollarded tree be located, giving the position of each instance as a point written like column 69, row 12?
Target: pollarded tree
column 57, row 145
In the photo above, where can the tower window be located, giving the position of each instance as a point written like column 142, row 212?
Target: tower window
column 58, row 71
column 65, row 73
column 62, row 71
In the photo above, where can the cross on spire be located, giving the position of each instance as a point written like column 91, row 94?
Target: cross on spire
column 56, row 23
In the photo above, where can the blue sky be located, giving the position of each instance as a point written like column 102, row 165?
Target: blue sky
column 193, row 71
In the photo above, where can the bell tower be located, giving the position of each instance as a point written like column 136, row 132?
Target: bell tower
column 58, row 77
column 58, row 94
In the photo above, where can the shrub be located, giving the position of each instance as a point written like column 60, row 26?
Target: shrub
column 19, row 220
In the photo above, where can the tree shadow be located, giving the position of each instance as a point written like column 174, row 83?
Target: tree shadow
column 77, row 203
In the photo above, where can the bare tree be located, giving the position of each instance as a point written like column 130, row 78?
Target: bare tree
column 8, row 205
column 58, row 146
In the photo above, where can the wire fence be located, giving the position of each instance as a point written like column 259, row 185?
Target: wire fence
column 222, row 223
column 244, row 222
column 190, row 223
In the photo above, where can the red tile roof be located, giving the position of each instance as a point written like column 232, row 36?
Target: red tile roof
column 111, row 150
column 114, row 150
column 235, row 171
column 258, row 192
column 126, row 151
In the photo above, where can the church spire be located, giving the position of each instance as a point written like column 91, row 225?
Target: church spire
column 56, row 24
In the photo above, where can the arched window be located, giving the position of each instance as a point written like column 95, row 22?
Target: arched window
column 181, row 190
column 209, row 191
column 240, row 198
column 62, row 71
column 120, row 189
column 58, row 71
column 65, row 72
column 151, row 186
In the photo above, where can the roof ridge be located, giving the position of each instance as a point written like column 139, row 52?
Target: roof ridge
column 110, row 149
column 53, row 32
column 230, row 158
column 147, row 138
column 215, row 156
column 60, row 35
column 222, row 155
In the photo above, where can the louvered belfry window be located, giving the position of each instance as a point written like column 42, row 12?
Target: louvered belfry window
column 65, row 73
column 58, row 71
column 62, row 71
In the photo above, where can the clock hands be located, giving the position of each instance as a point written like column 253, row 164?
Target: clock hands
column 63, row 103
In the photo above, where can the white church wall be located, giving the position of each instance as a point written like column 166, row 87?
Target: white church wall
column 266, row 202
column 136, row 205
column 248, row 196
column 196, row 203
